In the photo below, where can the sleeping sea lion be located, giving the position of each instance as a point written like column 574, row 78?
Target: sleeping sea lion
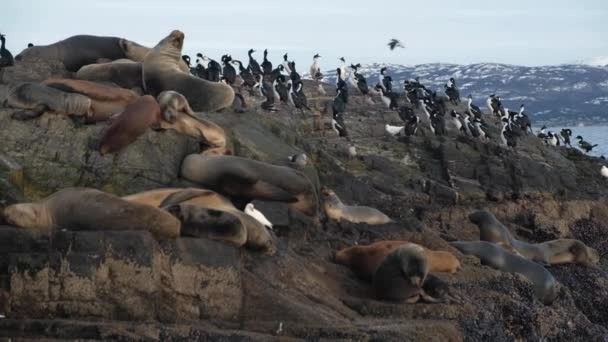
column 338, row 211
column 244, row 180
column 35, row 99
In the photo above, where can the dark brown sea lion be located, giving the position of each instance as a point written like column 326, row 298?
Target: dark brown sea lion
column 244, row 180
column 130, row 124
column 35, row 99
column 124, row 74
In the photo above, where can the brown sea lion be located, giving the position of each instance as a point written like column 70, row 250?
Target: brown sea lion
column 338, row 211
column 161, row 72
column 187, row 196
column 35, row 99
column 493, row 255
column 105, row 99
column 91, row 209
column 553, row 252
column 257, row 235
column 244, row 180
column 124, row 74
column 172, row 102
column 401, row 276
column 78, row 51
column 130, row 124
column 365, row 260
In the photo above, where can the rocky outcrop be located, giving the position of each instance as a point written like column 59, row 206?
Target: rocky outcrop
column 110, row 285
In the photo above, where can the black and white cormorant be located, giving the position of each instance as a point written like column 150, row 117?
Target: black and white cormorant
column 542, row 134
column 266, row 64
column 390, row 99
column 342, row 69
column 494, row 105
column 6, row 57
column 298, row 96
column 438, row 124
column 473, row 109
column 341, row 85
column 523, row 121
column 268, row 93
column 566, row 133
column 286, row 64
column 246, row 75
column 294, row 75
column 315, row 68
column 229, row 73
column 214, row 71
column 459, row 122
column 585, row 145
column 452, row 91
column 254, row 66
column 280, row 85
column 506, row 134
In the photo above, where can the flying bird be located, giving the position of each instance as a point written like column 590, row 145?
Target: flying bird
column 395, row 43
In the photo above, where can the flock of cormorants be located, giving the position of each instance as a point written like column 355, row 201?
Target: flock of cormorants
column 284, row 84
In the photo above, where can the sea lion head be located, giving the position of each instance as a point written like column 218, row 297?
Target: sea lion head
column 480, row 216
column 175, row 40
column 584, row 254
column 25, row 215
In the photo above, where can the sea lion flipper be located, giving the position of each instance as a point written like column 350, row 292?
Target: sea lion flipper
column 26, row 114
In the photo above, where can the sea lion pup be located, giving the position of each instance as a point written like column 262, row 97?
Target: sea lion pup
column 257, row 237
column 545, row 286
column 77, row 51
column 35, row 99
column 125, row 74
column 365, row 260
column 105, row 99
column 134, row 121
column 91, row 209
column 244, row 179
column 401, row 275
column 161, row 72
column 338, row 211
column 553, row 252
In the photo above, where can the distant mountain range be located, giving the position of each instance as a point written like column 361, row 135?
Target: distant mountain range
column 554, row 95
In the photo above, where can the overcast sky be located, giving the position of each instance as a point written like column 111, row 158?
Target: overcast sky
column 526, row 32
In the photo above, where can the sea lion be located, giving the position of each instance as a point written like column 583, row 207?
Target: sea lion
column 338, row 211
column 553, row 252
column 401, row 275
column 91, row 209
column 493, row 255
column 134, row 121
column 35, row 99
column 77, row 51
column 105, row 99
column 202, row 197
column 161, row 72
column 244, row 180
column 124, row 74
column 364, row 260
column 178, row 116
column 256, row 235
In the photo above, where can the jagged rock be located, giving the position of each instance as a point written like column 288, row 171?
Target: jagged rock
column 33, row 70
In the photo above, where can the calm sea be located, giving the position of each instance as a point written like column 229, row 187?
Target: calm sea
column 593, row 135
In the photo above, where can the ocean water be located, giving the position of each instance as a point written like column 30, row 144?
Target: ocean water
column 592, row 134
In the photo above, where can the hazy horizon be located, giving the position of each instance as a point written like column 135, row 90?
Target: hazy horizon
column 459, row 32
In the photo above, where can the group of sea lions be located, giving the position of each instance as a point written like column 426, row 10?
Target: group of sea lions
column 109, row 68
column 105, row 93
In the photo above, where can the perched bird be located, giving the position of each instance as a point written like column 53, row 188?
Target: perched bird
column 585, row 145
column 393, row 130
column 256, row 214
column 246, row 75
column 267, row 91
column 266, row 64
column 280, row 86
column 214, row 70
column 253, row 64
column 286, row 64
column 341, row 85
column 494, row 105
column 315, row 68
column 459, row 122
column 604, row 171
column 298, row 97
column 566, row 133
column 6, row 57
column 473, row 109
column 438, row 124
column 342, row 69
column 299, row 160
column 229, row 73
column 29, row 45
column 337, row 124
column 452, row 91
column 186, row 60
column 390, row 99
column 523, row 121
column 394, row 43
column 542, row 134
column 506, row 135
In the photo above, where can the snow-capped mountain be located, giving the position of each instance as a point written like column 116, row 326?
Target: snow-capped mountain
column 561, row 94
column 595, row 61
